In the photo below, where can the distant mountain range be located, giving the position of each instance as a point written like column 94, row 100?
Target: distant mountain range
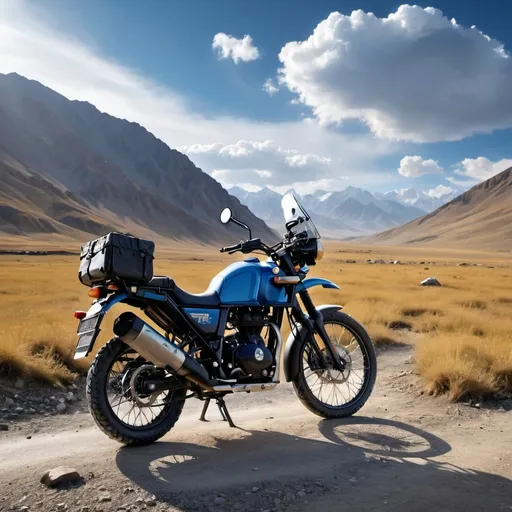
column 351, row 212
column 480, row 218
column 68, row 169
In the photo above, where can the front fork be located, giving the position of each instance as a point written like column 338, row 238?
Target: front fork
column 315, row 324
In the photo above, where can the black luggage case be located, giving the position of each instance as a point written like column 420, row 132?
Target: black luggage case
column 116, row 256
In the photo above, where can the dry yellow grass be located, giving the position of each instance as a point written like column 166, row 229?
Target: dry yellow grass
column 462, row 330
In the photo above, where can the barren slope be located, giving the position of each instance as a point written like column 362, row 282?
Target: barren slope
column 481, row 218
column 89, row 164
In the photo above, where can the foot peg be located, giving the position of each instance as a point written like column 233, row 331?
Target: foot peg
column 221, row 404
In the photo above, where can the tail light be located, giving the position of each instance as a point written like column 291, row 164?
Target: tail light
column 98, row 292
column 80, row 315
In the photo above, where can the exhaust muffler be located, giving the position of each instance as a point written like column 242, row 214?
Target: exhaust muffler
column 154, row 347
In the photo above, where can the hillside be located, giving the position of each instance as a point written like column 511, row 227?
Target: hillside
column 67, row 168
column 481, row 218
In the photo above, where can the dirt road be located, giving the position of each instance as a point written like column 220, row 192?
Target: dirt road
column 403, row 452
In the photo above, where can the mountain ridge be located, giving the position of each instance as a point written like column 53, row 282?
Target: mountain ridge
column 119, row 171
column 479, row 218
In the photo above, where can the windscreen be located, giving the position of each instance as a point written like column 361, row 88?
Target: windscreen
column 293, row 210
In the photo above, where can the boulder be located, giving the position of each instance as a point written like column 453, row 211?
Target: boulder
column 61, row 476
column 430, row 281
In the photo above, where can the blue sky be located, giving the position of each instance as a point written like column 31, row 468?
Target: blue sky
column 375, row 93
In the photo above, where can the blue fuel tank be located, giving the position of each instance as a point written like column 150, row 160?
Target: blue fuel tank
column 251, row 283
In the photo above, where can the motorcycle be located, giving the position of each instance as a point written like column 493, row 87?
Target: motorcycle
column 225, row 340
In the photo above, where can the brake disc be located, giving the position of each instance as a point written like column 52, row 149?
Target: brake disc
column 136, row 380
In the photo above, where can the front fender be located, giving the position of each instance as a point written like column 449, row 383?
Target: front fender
column 294, row 344
column 316, row 281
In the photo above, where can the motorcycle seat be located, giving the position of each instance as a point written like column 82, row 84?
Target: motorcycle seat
column 210, row 298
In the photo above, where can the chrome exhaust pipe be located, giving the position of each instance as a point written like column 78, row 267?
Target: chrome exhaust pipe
column 157, row 349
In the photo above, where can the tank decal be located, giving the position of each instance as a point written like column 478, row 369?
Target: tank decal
column 206, row 319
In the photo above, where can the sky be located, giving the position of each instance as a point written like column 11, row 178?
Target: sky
column 304, row 94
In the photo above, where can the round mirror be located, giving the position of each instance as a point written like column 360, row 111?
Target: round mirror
column 225, row 215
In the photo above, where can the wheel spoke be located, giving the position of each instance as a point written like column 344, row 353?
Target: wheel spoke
column 331, row 387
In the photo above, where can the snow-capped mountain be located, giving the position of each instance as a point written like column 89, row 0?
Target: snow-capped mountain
column 421, row 200
column 350, row 212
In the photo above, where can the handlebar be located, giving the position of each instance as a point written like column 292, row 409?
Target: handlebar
column 232, row 248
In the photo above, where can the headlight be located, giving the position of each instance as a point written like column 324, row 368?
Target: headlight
column 319, row 250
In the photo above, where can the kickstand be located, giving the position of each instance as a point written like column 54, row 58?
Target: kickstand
column 221, row 404
column 205, row 408
column 224, row 411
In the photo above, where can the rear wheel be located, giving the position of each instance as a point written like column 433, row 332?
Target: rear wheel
column 119, row 402
column 337, row 394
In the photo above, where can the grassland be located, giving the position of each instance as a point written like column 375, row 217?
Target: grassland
column 462, row 331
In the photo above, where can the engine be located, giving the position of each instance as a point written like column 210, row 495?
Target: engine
column 247, row 357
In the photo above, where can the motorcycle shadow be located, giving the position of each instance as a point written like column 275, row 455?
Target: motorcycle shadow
column 400, row 456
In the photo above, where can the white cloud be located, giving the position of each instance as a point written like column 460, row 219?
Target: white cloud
column 258, row 162
column 229, row 47
column 269, row 87
column 32, row 47
column 440, row 191
column 481, row 168
column 415, row 75
column 416, row 166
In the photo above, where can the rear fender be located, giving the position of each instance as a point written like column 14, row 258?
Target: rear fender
column 294, row 344
column 99, row 308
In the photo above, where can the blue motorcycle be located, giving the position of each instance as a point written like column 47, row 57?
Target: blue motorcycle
column 225, row 340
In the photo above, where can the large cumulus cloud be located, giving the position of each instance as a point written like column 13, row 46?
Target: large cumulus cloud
column 415, row 75
column 258, row 163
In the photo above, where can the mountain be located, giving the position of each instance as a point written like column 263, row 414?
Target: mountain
column 480, row 218
column 420, row 200
column 351, row 212
column 266, row 204
column 66, row 167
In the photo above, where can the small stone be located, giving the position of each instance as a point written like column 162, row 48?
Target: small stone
column 62, row 506
column 70, row 397
column 19, row 384
column 129, row 490
column 301, row 494
column 477, row 406
column 24, row 509
column 19, row 410
column 102, row 488
column 255, row 489
column 219, row 500
column 62, row 400
column 430, row 281
column 60, row 476
column 104, row 498
column 61, row 407
column 255, row 469
column 352, row 480
column 29, row 437
column 9, row 402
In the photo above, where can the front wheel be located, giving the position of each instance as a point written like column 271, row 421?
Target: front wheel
column 330, row 393
column 119, row 401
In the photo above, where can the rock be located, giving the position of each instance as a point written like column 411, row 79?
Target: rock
column 19, row 410
column 19, row 384
column 397, row 262
column 62, row 506
column 255, row 489
column 430, row 281
column 410, row 360
column 301, row 494
column 150, row 503
column 62, row 400
column 4, row 427
column 462, row 264
column 105, row 497
column 9, row 402
column 219, row 500
column 70, row 397
column 24, row 509
column 61, row 476
column 61, row 408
